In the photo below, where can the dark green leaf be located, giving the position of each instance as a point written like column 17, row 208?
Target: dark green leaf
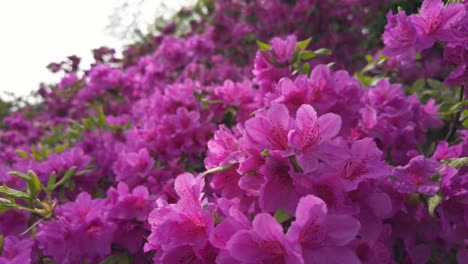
column 435, row 84
column 418, row 85
column 281, row 216
column 305, row 69
column 122, row 258
column 296, row 166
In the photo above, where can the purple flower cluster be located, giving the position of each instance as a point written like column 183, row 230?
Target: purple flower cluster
column 405, row 35
column 199, row 147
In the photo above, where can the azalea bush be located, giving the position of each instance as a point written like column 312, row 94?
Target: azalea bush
column 250, row 132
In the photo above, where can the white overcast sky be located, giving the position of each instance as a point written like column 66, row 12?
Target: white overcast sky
column 37, row 32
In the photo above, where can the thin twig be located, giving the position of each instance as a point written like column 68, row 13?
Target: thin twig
column 455, row 119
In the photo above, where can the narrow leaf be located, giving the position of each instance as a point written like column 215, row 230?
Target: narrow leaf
column 456, row 163
column 20, row 175
column 219, row 169
column 307, row 55
column 66, row 177
column 263, row 46
column 34, row 185
column 6, row 205
column 22, row 153
column 323, row 51
column 1, row 245
column 8, row 192
column 52, row 180
column 433, row 202
column 303, row 44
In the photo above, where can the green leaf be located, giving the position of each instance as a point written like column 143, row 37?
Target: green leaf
column 303, row 44
column 36, row 154
column 6, row 204
column 307, row 55
column 435, row 84
column 12, row 193
column 456, row 107
column 34, row 185
column 52, row 180
column 263, row 46
column 122, row 258
column 59, row 149
column 66, row 177
column 216, row 217
column 456, row 162
column 20, row 175
column 305, row 69
column 323, row 51
column 465, row 118
column 281, row 216
column 22, row 153
column 219, row 169
column 1, row 245
column 418, row 85
column 101, row 118
column 433, row 202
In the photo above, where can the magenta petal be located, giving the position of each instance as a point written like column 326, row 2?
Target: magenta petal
column 430, row 8
column 266, row 226
column 188, row 187
column 308, row 207
column 337, row 255
column 332, row 151
column 342, row 229
column 306, row 116
column 330, row 125
column 381, row 204
column 278, row 114
column 307, row 162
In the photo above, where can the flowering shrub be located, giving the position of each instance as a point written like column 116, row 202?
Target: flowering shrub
column 233, row 137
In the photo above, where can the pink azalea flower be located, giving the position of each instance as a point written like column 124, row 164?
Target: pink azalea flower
column 269, row 130
column 320, row 237
column 416, row 176
column 184, row 223
column 264, row 243
column 436, row 19
column 365, row 163
column 311, row 138
column 402, row 38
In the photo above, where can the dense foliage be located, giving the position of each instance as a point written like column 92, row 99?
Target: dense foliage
column 250, row 132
